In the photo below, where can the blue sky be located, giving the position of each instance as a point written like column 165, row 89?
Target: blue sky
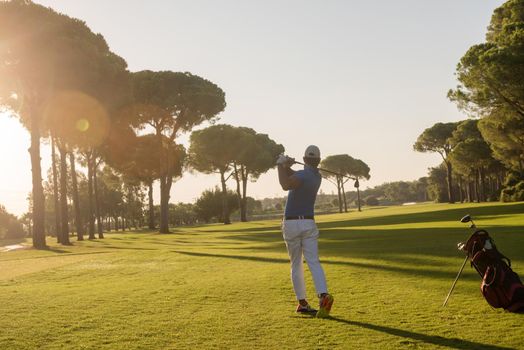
column 356, row 77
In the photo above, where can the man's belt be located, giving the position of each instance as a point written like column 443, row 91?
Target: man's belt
column 300, row 217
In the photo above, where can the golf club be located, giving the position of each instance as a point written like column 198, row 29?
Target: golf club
column 455, row 281
column 465, row 219
column 329, row 171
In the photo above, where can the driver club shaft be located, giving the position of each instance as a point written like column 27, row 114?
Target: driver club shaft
column 329, row 171
column 455, row 281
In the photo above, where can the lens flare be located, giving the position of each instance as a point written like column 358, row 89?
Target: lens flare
column 82, row 124
column 77, row 119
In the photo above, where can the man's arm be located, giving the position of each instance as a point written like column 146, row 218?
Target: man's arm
column 287, row 179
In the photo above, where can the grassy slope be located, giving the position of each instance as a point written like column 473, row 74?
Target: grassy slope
column 219, row 287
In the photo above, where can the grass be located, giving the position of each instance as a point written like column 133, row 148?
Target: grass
column 228, row 287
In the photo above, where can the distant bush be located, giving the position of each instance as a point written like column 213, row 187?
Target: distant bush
column 10, row 226
column 371, row 201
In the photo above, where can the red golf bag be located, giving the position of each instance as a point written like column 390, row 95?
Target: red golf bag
column 501, row 286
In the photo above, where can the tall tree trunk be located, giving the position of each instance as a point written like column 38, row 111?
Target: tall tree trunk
column 470, row 191
column 97, row 202
column 164, row 205
column 91, row 227
column 55, row 190
column 225, row 207
column 344, row 196
column 477, row 190
column 38, row 209
column 461, row 195
column 129, row 205
column 239, row 194
column 449, row 169
column 151, row 206
column 339, row 194
column 244, row 175
column 358, row 199
column 76, row 201
column 482, row 185
column 64, row 232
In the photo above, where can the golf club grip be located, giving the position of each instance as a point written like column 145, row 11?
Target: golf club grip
column 455, row 281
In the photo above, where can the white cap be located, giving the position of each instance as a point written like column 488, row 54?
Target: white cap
column 312, row 152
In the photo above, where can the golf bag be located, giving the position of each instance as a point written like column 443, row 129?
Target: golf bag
column 500, row 286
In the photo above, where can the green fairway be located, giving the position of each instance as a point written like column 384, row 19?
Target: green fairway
column 228, row 287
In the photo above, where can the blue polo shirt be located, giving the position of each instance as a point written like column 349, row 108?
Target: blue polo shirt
column 301, row 201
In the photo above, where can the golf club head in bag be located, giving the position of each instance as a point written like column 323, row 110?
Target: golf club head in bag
column 501, row 287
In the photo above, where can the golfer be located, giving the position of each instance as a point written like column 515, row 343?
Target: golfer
column 300, row 230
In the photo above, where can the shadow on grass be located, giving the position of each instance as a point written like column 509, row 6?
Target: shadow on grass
column 449, row 214
column 381, row 267
column 453, row 343
column 395, row 244
column 60, row 255
column 484, row 212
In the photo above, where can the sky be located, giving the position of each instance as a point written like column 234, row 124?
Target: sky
column 363, row 78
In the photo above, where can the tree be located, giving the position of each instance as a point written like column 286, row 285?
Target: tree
column 504, row 132
column 358, row 170
column 490, row 74
column 340, row 164
column 491, row 84
column 213, row 150
column 172, row 103
column 437, row 183
column 76, row 200
column 55, row 189
column 472, row 158
column 348, row 168
column 143, row 164
column 438, row 139
column 10, row 226
column 43, row 53
column 256, row 154
column 210, row 205
column 182, row 214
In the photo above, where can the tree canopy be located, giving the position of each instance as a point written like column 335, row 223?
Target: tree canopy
column 44, row 54
column 171, row 103
column 438, row 138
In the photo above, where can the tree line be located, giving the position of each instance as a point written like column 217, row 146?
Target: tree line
column 68, row 89
column 483, row 157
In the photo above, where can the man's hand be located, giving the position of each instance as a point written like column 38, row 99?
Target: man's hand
column 285, row 161
column 281, row 159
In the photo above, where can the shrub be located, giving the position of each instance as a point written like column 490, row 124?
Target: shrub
column 371, row 201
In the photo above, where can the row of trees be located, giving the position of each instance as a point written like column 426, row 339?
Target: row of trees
column 483, row 157
column 67, row 88
column 233, row 152
column 121, row 205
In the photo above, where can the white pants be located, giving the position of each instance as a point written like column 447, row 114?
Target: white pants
column 301, row 239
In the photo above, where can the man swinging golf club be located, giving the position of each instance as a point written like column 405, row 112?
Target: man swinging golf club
column 299, row 229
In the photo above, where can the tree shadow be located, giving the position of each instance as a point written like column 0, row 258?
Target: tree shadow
column 61, row 253
column 449, row 214
column 453, row 343
column 433, row 273
column 397, row 245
